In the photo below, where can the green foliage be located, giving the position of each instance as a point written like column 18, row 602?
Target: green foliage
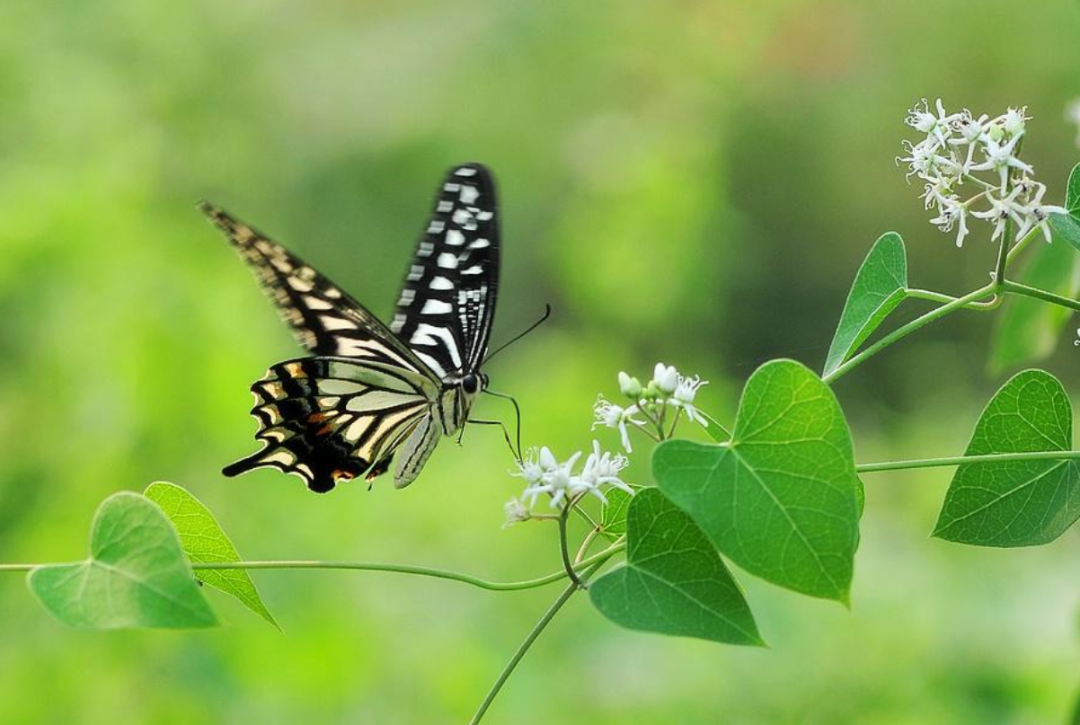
column 1028, row 330
column 673, row 581
column 781, row 499
column 136, row 575
column 613, row 513
column 715, row 430
column 880, row 285
column 1067, row 227
column 204, row 541
column 1016, row 503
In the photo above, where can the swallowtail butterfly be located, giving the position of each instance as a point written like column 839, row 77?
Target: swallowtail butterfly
column 371, row 389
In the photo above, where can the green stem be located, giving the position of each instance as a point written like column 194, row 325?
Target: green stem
column 524, row 647
column 1003, row 256
column 1022, row 289
column 396, row 568
column 564, row 547
column 960, row 460
column 922, row 294
column 905, row 330
column 585, row 544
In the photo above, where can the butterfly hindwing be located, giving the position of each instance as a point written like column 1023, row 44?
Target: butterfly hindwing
column 447, row 302
column 331, row 419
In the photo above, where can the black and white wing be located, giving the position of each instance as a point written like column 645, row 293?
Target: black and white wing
column 323, row 318
column 447, row 303
column 331, row 419
column 343, row 414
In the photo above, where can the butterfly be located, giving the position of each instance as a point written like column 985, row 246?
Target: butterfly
column 371, row 391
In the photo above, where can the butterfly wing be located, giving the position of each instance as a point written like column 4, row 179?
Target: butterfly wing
column 323, row 318
column 330, row 419
column 447, row 303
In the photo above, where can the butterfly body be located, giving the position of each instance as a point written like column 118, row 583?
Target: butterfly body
column 372, row 391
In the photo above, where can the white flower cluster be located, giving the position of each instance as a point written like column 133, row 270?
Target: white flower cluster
column 960, row 149
column 666, row 389
column 544, row 474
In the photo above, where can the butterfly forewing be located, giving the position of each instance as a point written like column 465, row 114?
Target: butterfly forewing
column 323, row 318
column 448, row 300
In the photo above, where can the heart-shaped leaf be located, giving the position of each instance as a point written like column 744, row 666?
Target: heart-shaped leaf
column 1067, row 226
column 204, row 541
column 1016, row 503
column 673, row 581
column 880, row 285
column 136, row 575
column 781, row 499
column 1028, row 330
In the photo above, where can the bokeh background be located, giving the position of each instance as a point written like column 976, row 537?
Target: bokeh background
column 694, row 182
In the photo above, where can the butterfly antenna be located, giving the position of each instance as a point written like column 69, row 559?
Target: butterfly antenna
column 533, row 326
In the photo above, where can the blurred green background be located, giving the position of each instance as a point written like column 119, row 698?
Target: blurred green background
column 695, row 182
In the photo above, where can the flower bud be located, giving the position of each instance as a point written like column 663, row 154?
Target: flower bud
column 630, row 387
column 666, row 378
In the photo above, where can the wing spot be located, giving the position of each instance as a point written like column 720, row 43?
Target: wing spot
column 436, row 307
column 447, row 260
column 331, row 323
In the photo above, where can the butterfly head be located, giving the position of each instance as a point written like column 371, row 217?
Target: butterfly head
column 473, row 383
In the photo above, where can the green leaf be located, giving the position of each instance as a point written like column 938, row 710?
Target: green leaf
column 880, row 285
column 1028, row 330
column 673, row 581
column 1067, row 226
column 613, row 513
column 782, row 500
column 136, row 575
column 1016, row 503
column 717, row 432
column 204, row 541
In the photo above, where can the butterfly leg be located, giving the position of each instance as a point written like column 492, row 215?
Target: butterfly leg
column 517, row 414
column 506, row 434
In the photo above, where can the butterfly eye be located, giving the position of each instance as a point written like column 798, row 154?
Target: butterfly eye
column 470, row 384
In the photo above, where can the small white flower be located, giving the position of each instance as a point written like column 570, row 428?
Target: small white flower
column 601, row 469
column 936, row 126
column 555, row 479
column 1038, row 214
column 1014, row 121
column 951, row 211
column 683, row 398
column 516, row 512
column 666, row 378
column 1001, row 210
column 615, row 416
column 629, row 386
column 1000, row 158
